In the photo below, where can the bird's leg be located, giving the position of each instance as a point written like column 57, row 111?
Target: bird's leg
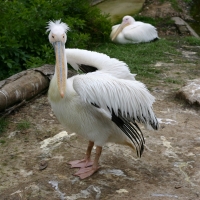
column 86, row 172
column 86, row 161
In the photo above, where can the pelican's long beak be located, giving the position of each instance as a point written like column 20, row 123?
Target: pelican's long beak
column 60, row 67
column 119, row 29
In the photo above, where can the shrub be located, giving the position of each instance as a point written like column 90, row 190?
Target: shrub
column 23, row 40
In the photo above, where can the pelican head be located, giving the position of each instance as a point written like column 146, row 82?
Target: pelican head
column 126, row 21
column 57, row 37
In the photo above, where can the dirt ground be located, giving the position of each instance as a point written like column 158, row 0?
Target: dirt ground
column 34, row 160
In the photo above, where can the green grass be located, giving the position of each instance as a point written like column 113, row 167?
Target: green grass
column 192, row 41
column 23, row 125
column 2, row 141
column 142, row 57
column 3, row 125
column 172, row 80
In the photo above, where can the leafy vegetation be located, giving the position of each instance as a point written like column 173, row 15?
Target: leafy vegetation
column 23, row 41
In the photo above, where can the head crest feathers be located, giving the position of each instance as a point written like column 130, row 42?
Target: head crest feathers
column 57, row 24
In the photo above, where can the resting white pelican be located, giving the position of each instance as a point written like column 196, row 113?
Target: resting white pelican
column 102, row 105
column 131, row 31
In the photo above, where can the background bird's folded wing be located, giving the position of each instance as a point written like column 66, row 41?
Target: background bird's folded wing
column 129, row 99
column 141, row 32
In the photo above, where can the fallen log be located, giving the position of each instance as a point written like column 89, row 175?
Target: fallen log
column 24, row 86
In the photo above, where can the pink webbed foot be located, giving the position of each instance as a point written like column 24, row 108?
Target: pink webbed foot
column 86, row 172
column 81, row 163
column 87, row 167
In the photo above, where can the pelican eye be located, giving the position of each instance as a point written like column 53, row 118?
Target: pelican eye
column 52, row 36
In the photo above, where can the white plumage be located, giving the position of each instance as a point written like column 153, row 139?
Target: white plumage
column 112, row 66
column 102, row 105
column 131, row 31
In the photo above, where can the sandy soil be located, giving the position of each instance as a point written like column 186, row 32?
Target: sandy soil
column 34, row 162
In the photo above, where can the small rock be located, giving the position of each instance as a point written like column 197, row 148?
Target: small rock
column 25, row 173
column 121, row 191
column 177, row 187
column 43, row 165
column 190, row 92
column 13, row 134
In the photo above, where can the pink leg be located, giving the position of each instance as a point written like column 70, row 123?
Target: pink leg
column 86, row 162
column 88, row 171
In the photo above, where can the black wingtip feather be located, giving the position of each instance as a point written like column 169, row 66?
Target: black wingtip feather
column 87, row 68
column 132, row 131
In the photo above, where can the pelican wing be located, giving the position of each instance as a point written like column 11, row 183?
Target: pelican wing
column 140, row 32
column 90, row 61
column 128, row 99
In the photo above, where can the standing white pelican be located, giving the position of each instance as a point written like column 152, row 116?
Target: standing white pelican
column 102, row 105
column 131, row 31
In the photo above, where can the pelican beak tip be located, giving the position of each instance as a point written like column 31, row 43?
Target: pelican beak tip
column 62, row 94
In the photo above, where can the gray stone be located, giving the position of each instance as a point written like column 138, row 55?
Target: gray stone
column 190, row 92
column 184, row 27
column 178, row 21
